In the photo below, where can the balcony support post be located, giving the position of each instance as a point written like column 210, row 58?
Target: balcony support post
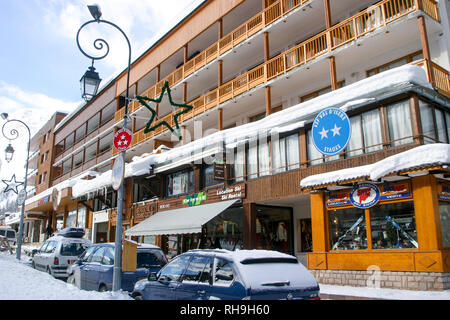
column 426, row 49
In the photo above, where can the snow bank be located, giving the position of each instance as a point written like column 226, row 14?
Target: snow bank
column 18, row 281
column 431, row 154
column 289, row 119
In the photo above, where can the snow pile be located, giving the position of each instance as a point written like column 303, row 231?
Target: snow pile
column 289, row 119
column 426, row 155
column 18, row 281
column 382, row 293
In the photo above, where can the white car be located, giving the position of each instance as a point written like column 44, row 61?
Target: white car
column 58, row 253
column 10, row 234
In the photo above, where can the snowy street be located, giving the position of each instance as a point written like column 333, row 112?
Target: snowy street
column 18, row 281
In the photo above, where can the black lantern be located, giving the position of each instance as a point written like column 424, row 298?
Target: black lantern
column 89, row 84
column 9, row 151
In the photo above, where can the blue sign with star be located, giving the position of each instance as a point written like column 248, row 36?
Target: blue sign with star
column 331, row 131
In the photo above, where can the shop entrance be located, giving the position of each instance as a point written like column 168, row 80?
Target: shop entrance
column 274, row 228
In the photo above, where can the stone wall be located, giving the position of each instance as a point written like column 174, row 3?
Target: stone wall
column 423, row 281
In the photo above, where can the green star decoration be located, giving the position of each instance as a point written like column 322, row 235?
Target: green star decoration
column 10, row 185
column 185, row 108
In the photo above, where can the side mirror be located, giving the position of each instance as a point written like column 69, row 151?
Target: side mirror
column 152, row 276
column 79, row 262
column 34, row 251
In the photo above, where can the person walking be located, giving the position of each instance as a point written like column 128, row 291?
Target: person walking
column 49, row 230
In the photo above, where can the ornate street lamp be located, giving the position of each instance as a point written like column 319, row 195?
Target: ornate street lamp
column 99, row 44
column 89, row 83
column 9, row 152
column 12, row 135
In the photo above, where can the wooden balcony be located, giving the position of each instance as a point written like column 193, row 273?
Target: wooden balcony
column 377, row 16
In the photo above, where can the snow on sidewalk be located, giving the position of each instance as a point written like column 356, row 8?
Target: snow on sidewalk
column 18, row 281
column 381, row 293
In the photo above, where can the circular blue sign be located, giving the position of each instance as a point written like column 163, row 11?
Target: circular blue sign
column 331, row 131
column 365, row 195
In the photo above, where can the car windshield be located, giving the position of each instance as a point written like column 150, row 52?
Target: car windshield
column 10, row 234
column 72, row 248
column 149, row 259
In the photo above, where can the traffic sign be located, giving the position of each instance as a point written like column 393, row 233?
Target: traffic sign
column 331, row 131
column 122, row 139
column 118, row 171
column 21, row 197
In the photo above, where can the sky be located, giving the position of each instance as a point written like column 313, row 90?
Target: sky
column 41, row 65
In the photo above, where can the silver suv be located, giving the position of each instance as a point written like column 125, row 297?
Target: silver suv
column 57, row 254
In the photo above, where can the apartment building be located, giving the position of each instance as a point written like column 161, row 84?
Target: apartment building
column 256, row 73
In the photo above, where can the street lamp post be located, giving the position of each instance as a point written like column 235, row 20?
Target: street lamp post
column 92, row 80
column 12, row 135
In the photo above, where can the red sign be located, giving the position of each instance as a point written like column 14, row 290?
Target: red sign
column 122, row 139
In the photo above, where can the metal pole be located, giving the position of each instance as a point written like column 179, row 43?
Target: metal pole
column 19, row 240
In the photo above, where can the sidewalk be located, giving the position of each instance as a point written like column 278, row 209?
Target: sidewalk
column 364, row 293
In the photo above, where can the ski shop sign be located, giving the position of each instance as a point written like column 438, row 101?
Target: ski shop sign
column 388, row 192
column 365, row 195
column 444, row 191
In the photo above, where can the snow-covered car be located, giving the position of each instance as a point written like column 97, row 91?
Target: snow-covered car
column 10, row 234
column 229, row 275
column 95, row 268
column 59, row 252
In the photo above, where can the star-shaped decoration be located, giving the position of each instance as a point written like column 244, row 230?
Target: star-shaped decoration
column 149, row 127
column 323, row 133
column 336, row 130
column 10, row 185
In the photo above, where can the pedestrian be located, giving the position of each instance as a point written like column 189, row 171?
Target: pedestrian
column 49, row 231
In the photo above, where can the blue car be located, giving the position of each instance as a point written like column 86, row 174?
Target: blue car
column 229, row 275
column 94, row 269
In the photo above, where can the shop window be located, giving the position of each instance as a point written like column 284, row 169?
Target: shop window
column 81, row 219
column 71, row 218
column 208, row 177
column 393, row 226
column 179, row 183
column 305, row 235
column 399, row 123
column 143, row 193
column 224, row 231
column 347, row 229
column 274, row 229
column 444, row 211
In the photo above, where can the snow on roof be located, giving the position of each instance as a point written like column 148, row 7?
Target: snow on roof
column 355, row 94
column 419, row 157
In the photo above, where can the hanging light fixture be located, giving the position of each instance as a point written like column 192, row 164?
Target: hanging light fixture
column 9, row 151
column 89, row 84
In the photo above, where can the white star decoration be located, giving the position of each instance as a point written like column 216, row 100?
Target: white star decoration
column 323, row 133
column 336, row 130
column 10, row 185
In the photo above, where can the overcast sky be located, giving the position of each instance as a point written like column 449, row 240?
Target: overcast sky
column 41, row 65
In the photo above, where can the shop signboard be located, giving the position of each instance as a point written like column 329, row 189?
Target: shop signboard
column 44, row 200
column 331, row 131
column 364, row 195
column 444, row 191
column 195, row 200
column 219, row 171
column 388, row 192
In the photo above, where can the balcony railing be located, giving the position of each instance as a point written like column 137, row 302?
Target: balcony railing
column 355, row 27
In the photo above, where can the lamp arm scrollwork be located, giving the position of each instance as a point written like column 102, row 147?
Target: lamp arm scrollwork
column 13, row 134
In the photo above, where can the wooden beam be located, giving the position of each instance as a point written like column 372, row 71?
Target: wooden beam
column 268, row 101
column 319, row 222
column 332, row 61
column 426, row 49
column 266, row 46
column 326, row 5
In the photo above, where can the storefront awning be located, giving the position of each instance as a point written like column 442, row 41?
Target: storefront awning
column 178, row 221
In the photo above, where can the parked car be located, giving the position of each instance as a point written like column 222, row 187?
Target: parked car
column 229, row 275
column 10, row 234
column 94, row 270
column 59, row 252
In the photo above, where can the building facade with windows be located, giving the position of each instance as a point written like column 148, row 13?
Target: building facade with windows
column 256, row 73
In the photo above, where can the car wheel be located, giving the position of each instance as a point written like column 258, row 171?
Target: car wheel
column 49, row 271
column 138, row 297
column 102, row 288
column 71, row 279
column 33, row 265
